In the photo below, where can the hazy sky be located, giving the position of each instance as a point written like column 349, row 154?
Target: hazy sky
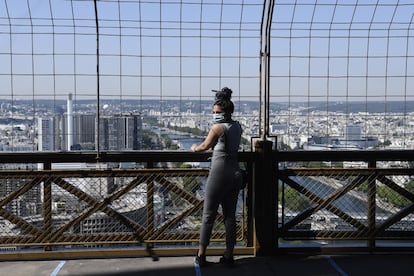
column 320, row 50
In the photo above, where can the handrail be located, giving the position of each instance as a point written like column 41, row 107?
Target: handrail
column 186, row 156
column 357, row 155
column 110, row 156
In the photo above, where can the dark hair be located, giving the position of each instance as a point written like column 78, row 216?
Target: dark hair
column 223, row 99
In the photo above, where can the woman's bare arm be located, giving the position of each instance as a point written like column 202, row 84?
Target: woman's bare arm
column 215, row 132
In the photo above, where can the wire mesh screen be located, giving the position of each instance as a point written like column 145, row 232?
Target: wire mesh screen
column 93, row 75
column 89, row 208
column 351, row 204
column 132, row 64
column 341, row 74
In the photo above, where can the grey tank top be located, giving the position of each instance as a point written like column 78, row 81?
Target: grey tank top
column 228, row 144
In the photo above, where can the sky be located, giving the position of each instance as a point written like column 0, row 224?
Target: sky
column 319, row 50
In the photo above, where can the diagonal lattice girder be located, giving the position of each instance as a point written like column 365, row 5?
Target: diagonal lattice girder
column 24, row 225
column 323, row 203
column 97, row 205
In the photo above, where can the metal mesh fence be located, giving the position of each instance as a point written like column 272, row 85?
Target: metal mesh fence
column 90, row 75
column 99, row 75
column 341, row 74
column 346, row 204
column 106, row 208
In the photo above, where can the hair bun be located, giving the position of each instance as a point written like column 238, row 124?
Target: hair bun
column 223, row 94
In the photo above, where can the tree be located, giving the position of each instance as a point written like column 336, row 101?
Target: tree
column 294, row 200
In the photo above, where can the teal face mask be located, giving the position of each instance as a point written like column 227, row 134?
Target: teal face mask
column 218, row 118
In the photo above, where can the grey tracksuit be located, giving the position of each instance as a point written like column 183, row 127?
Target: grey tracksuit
column 223, row 184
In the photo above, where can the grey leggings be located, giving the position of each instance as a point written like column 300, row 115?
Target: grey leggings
column 222, row 188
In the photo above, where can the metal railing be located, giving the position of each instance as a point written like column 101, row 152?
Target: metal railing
column 95, row 207
column 355, row 201
column 307, row 201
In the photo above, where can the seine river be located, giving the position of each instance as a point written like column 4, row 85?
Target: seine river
column 185, row 140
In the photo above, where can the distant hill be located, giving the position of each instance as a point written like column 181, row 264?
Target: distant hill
column 352, row 107
column 59, row 106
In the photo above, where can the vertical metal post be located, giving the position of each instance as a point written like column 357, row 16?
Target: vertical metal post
column 265, row 200
column 265, row 40
column 97, row 118
column 264, row 188
column 372, row 191
column 150, row 201
column 47, row 203
column 150, row 206
column 250, row 206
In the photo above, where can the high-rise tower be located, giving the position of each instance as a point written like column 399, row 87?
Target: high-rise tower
column 69, row 114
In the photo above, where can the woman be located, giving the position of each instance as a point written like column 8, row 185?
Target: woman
column 224, row 179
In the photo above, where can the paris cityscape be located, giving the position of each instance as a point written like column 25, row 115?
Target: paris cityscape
column 66, row 125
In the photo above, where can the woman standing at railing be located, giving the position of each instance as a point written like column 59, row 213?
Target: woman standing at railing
column 224, row 179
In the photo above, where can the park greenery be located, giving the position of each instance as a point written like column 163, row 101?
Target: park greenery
column 293, row 200
column 389, row 195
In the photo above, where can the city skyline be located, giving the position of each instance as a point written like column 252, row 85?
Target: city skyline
column 296, row 125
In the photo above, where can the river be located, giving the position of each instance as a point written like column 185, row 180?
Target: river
column 185, row 141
